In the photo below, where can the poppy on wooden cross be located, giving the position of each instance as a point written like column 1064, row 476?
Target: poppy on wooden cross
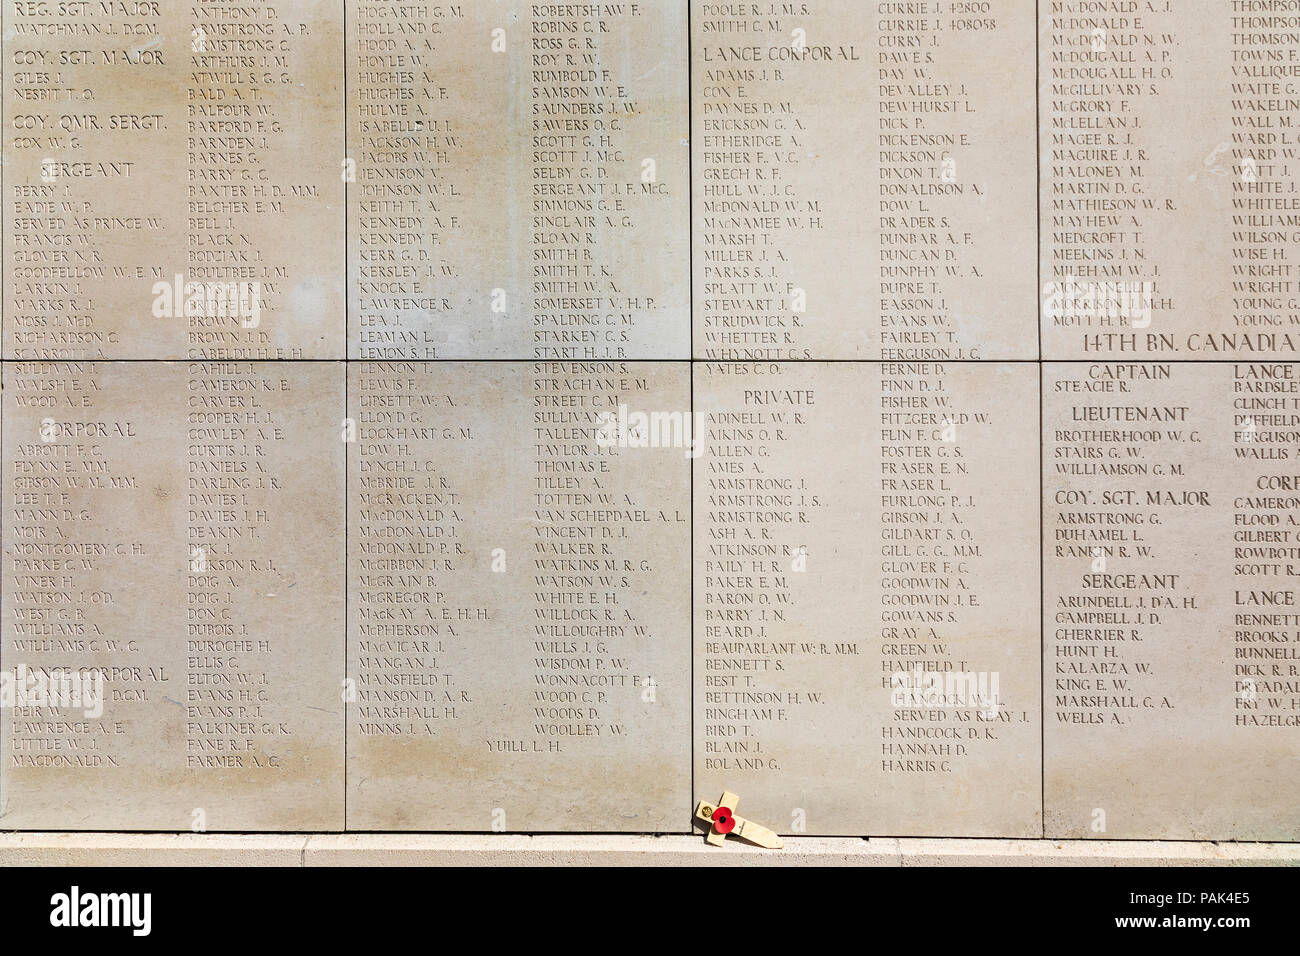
column 722, row 816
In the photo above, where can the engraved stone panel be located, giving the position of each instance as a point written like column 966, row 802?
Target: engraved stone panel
column 1167, row 177
column 173, row 180
column 519, row 605
column 864, row 181
column 522, row 185
column 175, row 528
column 866, row 594
column 1171, row 633
column 514, row 416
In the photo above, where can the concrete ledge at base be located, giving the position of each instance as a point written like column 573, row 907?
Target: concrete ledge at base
column 128, row 849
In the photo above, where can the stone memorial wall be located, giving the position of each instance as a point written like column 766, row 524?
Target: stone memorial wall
column 503, row 416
